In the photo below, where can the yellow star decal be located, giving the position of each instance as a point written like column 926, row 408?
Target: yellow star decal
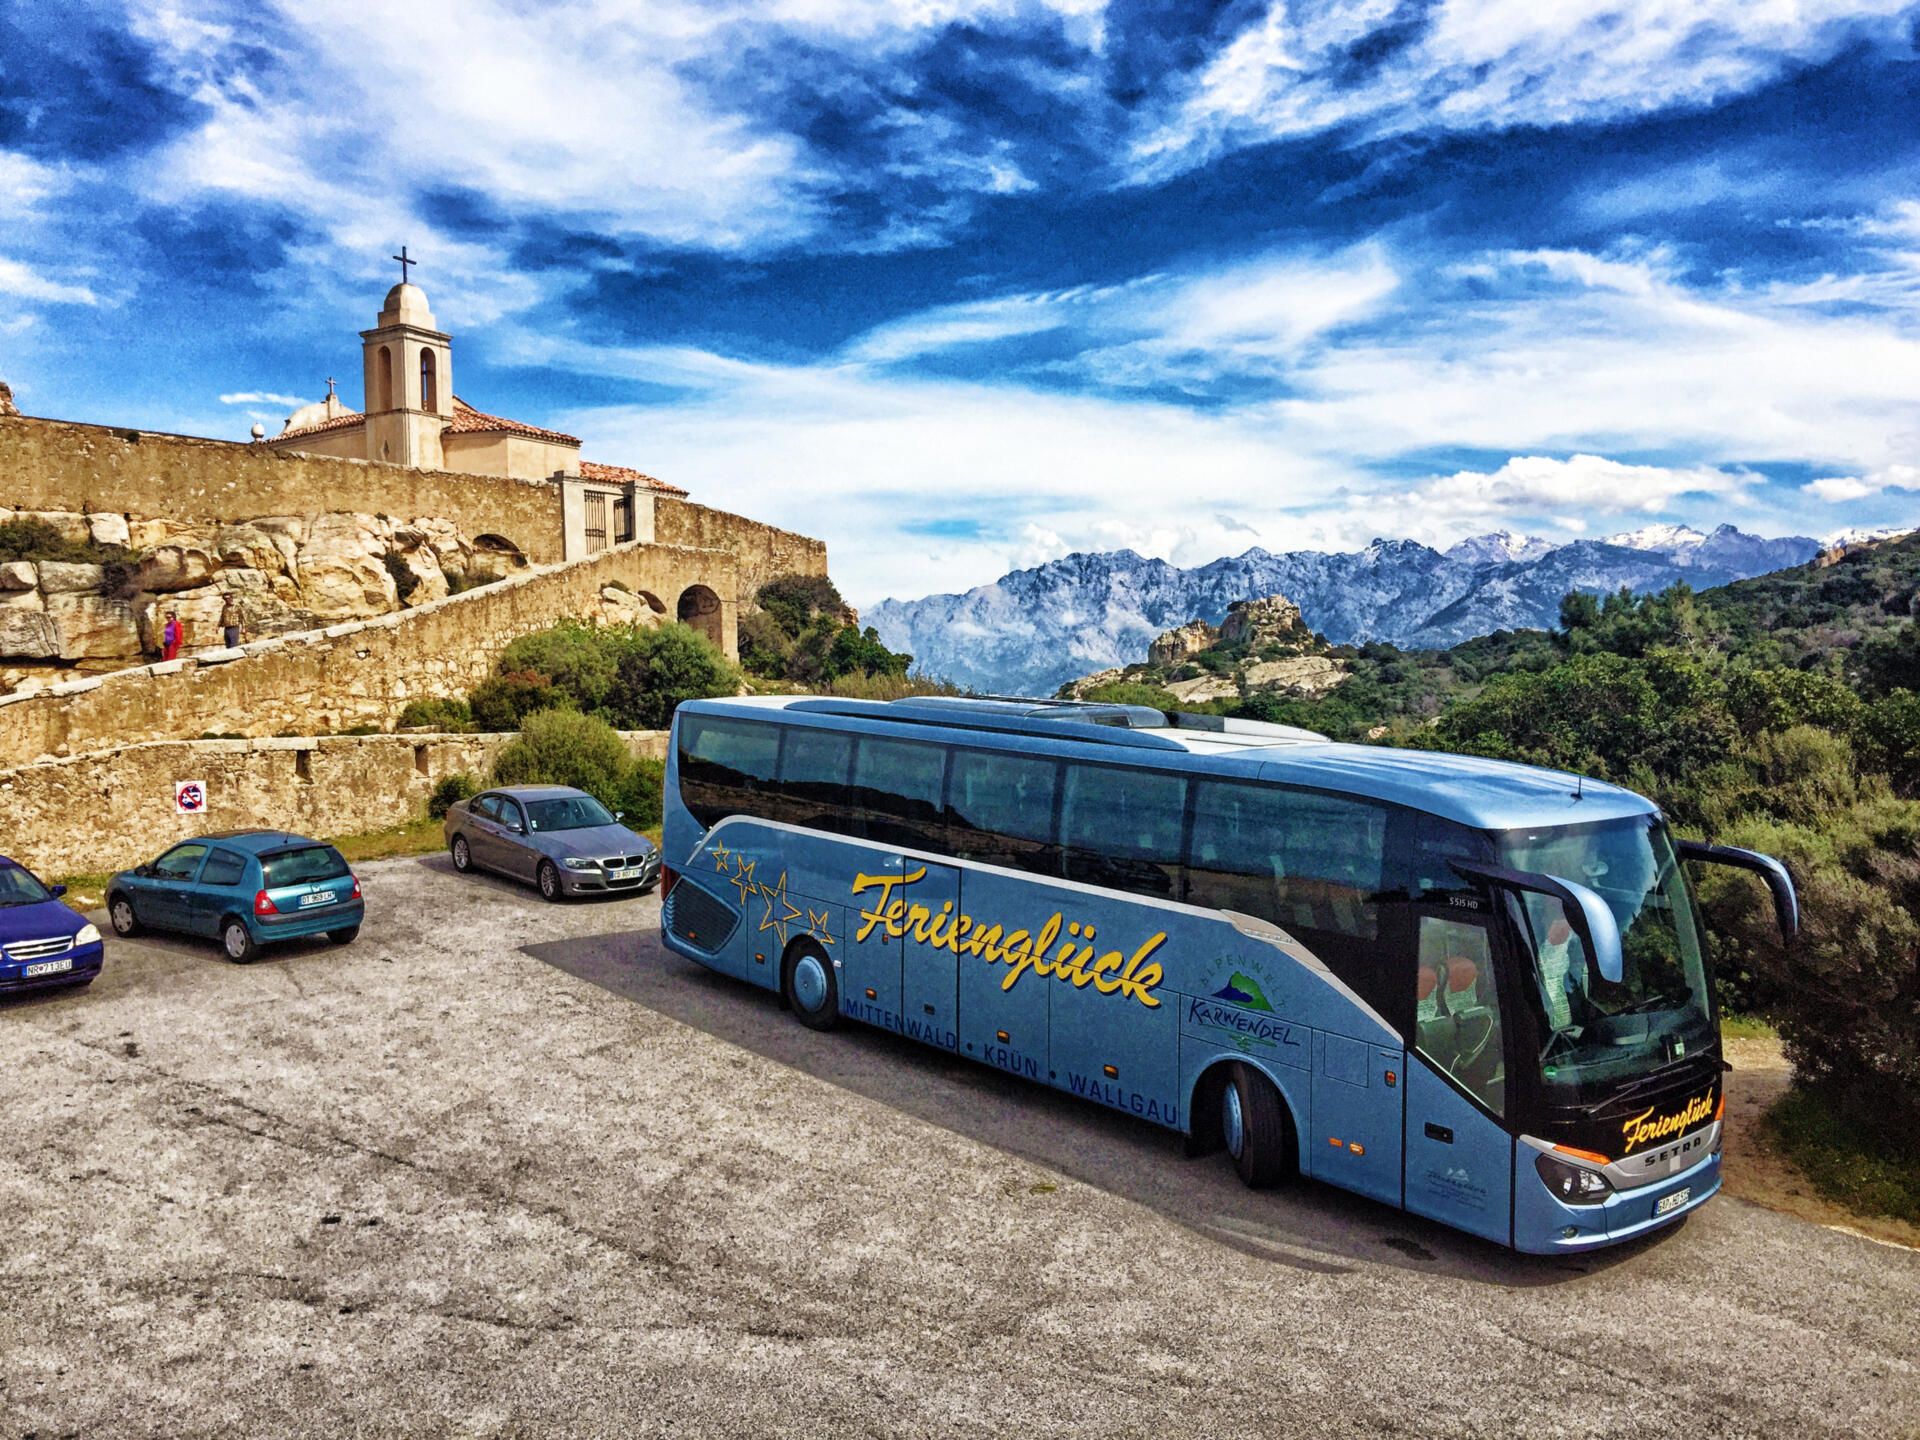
column 817, row 925
column 721, row 855
column 777, row 895
column 743, row 880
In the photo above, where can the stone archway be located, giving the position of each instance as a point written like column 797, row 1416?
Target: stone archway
column 700, row 608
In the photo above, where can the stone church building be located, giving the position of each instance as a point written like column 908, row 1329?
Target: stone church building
column 413, row 418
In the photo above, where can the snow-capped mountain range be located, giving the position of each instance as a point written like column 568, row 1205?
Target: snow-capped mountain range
column 1031, row 631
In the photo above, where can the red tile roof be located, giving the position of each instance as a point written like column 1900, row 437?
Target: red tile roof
column 621, row 475
column 467, row 420
column 339, row 422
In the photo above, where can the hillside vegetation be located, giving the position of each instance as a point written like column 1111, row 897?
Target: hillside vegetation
column 1778, row 713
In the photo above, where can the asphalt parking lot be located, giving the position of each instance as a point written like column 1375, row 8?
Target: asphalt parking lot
column 503, row 1168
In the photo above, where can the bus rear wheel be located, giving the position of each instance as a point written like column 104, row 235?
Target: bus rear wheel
column 1256, row 1127
column 808, row 986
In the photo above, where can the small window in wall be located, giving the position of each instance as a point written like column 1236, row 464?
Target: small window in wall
column 429, row 386
column 596, row 522
column 303, row 764
column 386, row 377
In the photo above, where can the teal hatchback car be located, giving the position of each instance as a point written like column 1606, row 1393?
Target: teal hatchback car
column 245, row 888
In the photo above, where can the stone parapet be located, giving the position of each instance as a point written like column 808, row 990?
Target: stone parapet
column 760, row 552
column 360, row 673
column 104, row 811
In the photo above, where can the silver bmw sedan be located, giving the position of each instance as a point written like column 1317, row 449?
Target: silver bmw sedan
column 563, row 840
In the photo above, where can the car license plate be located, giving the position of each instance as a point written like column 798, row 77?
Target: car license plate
column 632, row 872
column 318, row 897
column 47, row 967
column 1668, row 1203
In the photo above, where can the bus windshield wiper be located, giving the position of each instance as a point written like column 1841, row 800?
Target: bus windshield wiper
column 1652, row 1077
column 1672, row 1000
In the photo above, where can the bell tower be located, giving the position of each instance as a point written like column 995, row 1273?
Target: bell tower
column 409, row 379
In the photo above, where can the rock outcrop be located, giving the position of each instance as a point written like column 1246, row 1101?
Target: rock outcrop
column 288, row 573
column 1261, row 645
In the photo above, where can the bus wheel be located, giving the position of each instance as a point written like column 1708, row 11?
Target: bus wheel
column 1256, row 1128
column 808, row 986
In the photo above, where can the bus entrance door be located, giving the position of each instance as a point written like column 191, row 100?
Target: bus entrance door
column 930, row 978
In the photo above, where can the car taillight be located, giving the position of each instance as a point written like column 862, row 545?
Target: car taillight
column 667, row 876
column 356, row 889
column 263, row 904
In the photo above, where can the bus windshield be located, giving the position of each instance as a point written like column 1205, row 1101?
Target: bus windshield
column 1599, row 1034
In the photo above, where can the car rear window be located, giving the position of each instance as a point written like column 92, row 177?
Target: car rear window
column 299, row 867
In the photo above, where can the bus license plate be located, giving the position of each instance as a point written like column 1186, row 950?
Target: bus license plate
column 47, row 967
column 318, row 897
column 1668, row 1203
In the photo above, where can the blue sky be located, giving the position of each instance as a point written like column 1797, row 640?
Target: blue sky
column 960, row 286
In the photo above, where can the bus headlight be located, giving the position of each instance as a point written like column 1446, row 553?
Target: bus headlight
column 1572, row 1184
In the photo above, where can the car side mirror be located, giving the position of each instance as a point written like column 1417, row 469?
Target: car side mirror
column 1586, row 912
column 619, row 814
column 56, row 891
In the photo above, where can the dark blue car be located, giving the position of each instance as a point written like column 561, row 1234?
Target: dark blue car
column 245, row 888
column 42, row 942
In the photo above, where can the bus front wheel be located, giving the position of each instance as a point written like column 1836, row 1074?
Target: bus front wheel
column 1256, row 1127
column 808, row 985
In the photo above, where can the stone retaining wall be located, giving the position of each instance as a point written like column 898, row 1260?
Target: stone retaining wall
column 361, row 672
column 96, row 813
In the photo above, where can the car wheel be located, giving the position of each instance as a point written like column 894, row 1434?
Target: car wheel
column 549, row 878
column 120, row 912
column 237, row 940
column 808, row 985
column 344, row 937
column 1256, row 1127
column 462, row 856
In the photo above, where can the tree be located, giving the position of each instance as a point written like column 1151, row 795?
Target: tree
column 657, row 669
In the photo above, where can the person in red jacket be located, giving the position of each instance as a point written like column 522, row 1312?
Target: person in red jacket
column 171, row 636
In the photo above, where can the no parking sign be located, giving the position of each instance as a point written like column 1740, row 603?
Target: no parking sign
column 189, row 797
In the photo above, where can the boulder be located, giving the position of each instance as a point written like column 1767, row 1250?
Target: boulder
column 199, row 612
column 1307, row 675
column 1077, row 689
column 1204, row 687
column 288, row 527
column 185, row 560
column 58, row 577
column 342, row 567
column 247, row 547
column 92, row 627
column 71, row 526
column 18, row 575
column 145, row 534
column 1272, row 620
column 1177, row 644
column 109, row 529
column 423, row 563
column 24, row 630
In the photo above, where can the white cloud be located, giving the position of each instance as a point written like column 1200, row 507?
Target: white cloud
column 29, row 284
column 1837, row 489
column 1480, row 64
column 260, row 397
column 1470, row 500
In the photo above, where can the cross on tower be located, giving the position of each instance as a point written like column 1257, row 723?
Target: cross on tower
column 405, row 261
column 329, row 387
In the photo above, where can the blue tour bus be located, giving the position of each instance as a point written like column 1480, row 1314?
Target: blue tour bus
column 1473, row 989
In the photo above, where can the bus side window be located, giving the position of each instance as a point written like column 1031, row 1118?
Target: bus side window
column 1000, row 810
column 814, row 770
column 1306, row 861
column 726, row 767
column 896, row 796
column 1232, row 862
column 1122, row 828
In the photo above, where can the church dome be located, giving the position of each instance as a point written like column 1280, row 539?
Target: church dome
column 407, row 305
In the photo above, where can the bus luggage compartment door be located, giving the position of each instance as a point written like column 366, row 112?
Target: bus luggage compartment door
column 929, row 984
column 1355, row 1142
column 869, row 961
column 1005, row 1028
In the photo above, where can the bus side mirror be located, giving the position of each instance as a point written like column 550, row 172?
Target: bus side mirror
column 1586, row 912
column 1786, row 904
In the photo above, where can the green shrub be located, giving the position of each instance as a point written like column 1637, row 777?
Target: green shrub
column 503, row 703
column 448, row 792
column 1848, row 1154
column 581, row 660
column 640, row 794
column 1127, row 692
column 450, row 717
column 658, row 669
column 564, row 747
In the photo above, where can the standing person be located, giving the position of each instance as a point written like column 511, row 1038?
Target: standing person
column 171, row 636
column 230, row 619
